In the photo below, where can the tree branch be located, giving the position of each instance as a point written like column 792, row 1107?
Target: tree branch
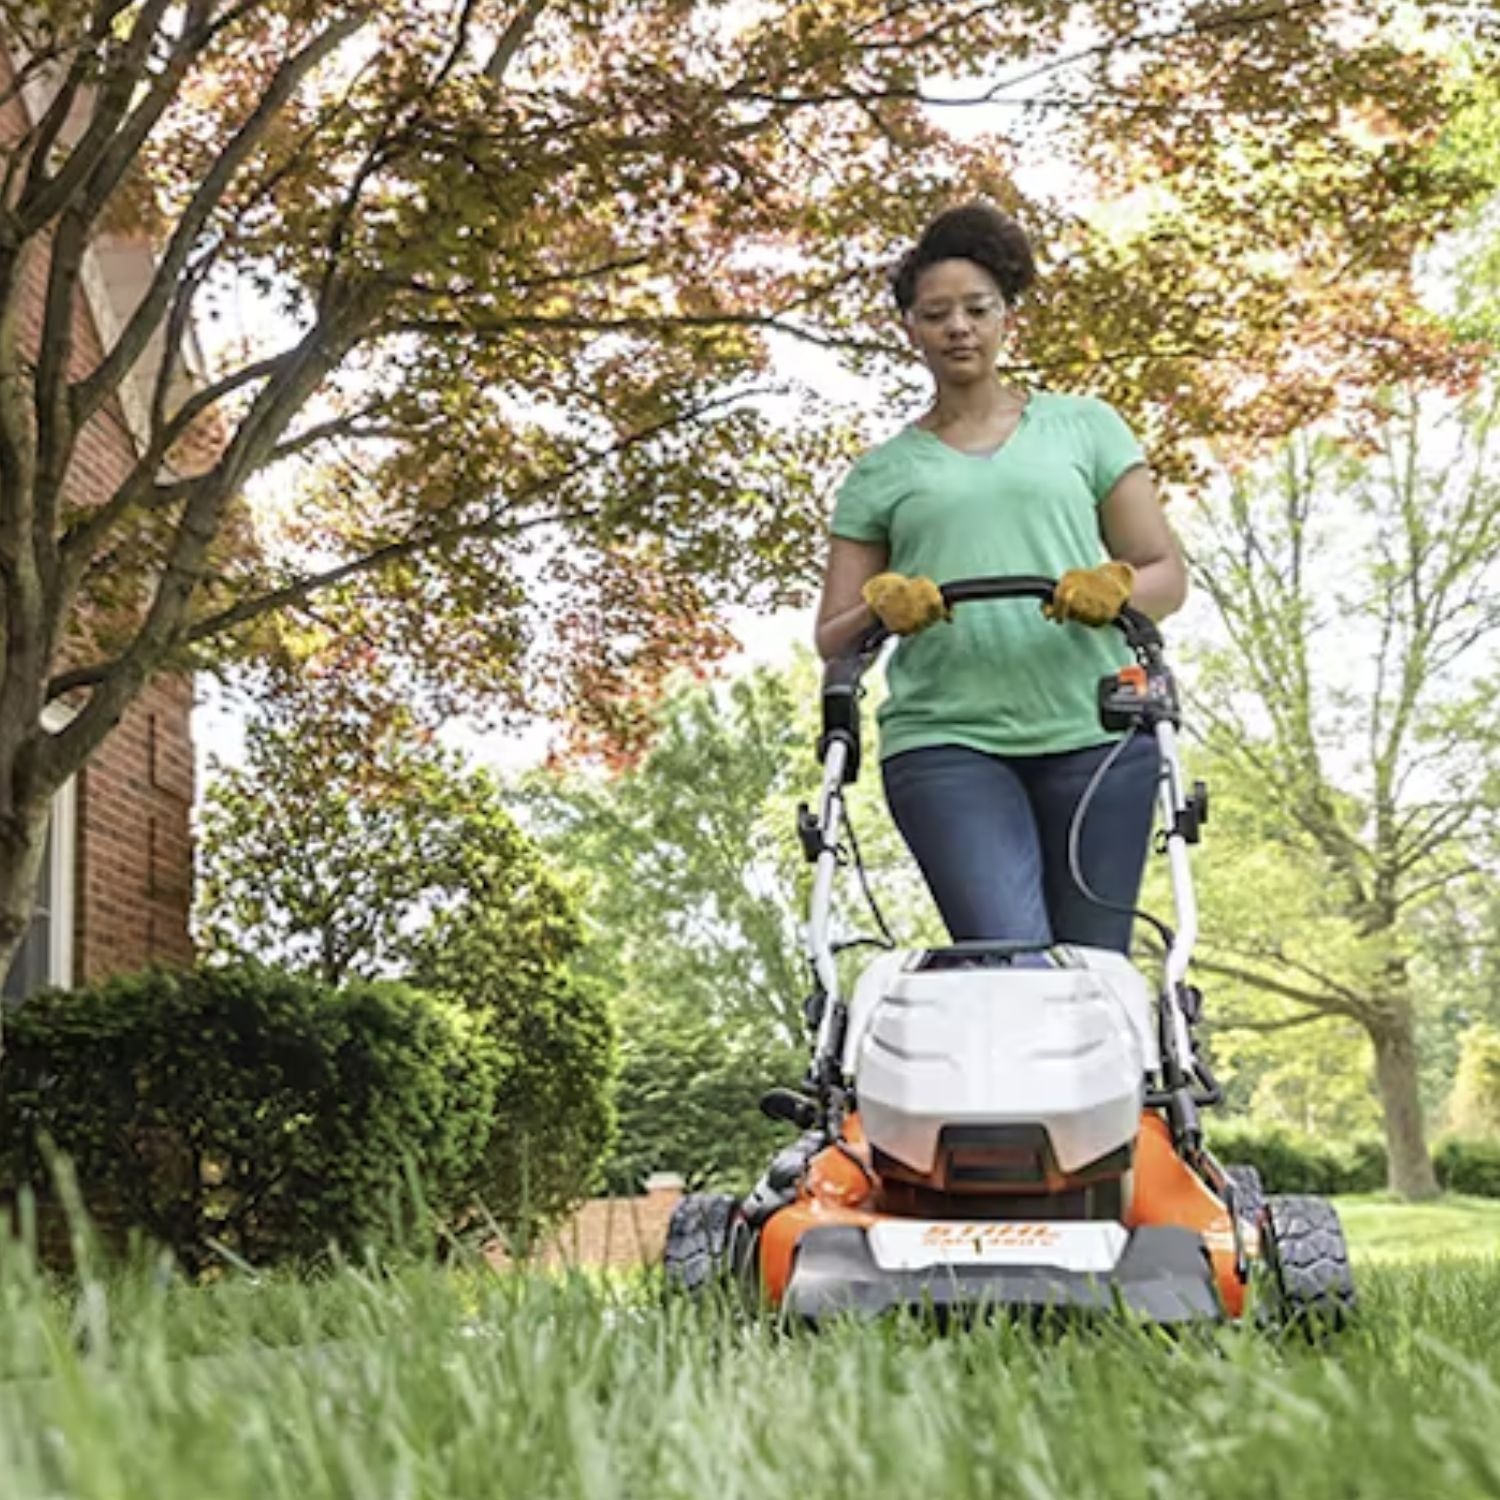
column 1324, row 1003
column 91, row 392
column 116, row 685
column 43, row 198
column 434, row 535
column 1286, row 1023
column 512, row 39
column 85, row 535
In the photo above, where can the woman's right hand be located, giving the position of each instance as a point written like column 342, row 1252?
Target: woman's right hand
column 905, row 605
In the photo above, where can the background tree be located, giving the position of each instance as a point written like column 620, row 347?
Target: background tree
column 694, row 893
column 356, row 849
column 1352, row 700
column 520, row 265
column 1474, row 1109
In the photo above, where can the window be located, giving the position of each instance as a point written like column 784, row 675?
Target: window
column 45, row 956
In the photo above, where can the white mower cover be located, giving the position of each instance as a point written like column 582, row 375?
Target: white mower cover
column 1067, row 1048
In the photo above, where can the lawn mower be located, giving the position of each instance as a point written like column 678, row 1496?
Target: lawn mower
column 995, row 1127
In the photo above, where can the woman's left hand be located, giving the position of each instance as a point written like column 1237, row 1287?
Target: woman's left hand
column 1092, row 596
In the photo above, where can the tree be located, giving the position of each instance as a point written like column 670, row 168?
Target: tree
column 521, row 263
column 354, row 849
column 1352, row 700
column 1474, row 1109
column 695, row 888
column 349, row 846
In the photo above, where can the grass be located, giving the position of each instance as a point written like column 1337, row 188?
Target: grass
column 1379, row 1229
column 441, row 1385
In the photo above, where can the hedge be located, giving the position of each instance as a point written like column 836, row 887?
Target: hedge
column 268, row 1113
column 1291, row 1163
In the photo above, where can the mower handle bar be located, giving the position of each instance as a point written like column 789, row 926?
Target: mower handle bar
column 1138, row 629
column 842, row 675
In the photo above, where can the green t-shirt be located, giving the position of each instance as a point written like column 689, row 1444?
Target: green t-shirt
column 999, row 677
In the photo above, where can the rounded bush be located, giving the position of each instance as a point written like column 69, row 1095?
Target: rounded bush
column 1294, row 1164
column 246, row 1107
column 1469, row 1167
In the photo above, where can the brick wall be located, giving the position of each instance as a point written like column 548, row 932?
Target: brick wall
column 135, row 859
column 133, row 867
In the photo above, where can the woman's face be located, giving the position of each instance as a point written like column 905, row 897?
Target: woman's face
column 957, row 321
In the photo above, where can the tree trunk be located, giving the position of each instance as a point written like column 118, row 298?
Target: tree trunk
column 1410, row 1173
column 23, row 840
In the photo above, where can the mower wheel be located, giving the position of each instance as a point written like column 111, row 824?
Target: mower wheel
column 1311, row 1290
column 697, row 1251
column 1249, row 1193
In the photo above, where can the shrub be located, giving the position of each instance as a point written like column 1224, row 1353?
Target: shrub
column 1294, row 1164
column 269, row 1113
column 555, row 1044
column 1286, row 1163
column 1368, row 1167
column 1469, row 1167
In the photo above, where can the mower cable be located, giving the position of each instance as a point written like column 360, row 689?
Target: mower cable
column 1075, row 845
column 886, row 940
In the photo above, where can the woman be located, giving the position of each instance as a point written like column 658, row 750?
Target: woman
column 991, row 730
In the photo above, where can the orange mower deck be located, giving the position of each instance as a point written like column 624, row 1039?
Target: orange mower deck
column 842, row 1189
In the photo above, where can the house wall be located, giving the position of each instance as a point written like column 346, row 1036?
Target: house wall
column 133, row 854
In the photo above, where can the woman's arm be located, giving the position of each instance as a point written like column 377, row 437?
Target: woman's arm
column 1135, row 530
column 843, row 615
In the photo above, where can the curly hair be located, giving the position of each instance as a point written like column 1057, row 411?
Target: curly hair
column 975, row 232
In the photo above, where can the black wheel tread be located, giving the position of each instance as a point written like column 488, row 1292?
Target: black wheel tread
column 1311, row 1260
column 1249, row 1192
column 697, row 1249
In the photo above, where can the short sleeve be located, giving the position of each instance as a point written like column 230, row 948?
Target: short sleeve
column 1115, row 448
column 865, row 500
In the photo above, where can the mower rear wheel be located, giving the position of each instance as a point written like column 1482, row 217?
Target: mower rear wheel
column 1311, row 1286
column 1249, row 1193
column 698, row 1236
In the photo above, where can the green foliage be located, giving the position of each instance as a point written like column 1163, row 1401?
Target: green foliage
column 1471, row 136
column 694, row 891
column 349, row 842
column 269, row 1113
column 352, row 843
column 552, row 1120
column 688, row 1097
column 1289, row 1162
column 1469, row 1167
column 1344, row 693
column 1474, row 1107
column 1294, row 1163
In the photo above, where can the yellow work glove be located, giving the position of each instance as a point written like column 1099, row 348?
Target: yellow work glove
column 904, row 605
column 1091, row 596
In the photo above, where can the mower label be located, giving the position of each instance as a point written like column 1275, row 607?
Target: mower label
column 913, row 1245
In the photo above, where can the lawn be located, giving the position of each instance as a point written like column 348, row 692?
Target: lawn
column 438, row 1385
column 1380, row 1230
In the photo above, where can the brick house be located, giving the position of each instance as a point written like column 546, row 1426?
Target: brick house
column 117, row 881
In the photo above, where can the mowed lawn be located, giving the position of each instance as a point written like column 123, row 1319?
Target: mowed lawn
column 1379, row 1230
column 427, row 1384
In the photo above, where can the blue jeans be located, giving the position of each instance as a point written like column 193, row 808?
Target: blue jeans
column 990, row 833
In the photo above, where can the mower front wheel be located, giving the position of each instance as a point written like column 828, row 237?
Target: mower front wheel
column 698, row 1240
column 1311, row 1285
